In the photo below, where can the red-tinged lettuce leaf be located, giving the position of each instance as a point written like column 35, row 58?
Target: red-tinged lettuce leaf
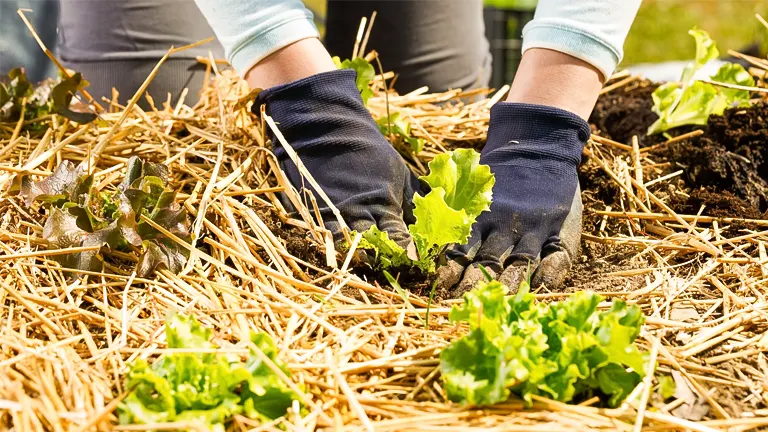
column 61, row 97
column 161, row 254
column 61, row 231
column 68, row 183
column 80, row 216
column 159, row 250
column 136, row 169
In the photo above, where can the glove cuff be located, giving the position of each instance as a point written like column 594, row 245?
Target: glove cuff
column 537, row 132
column 320, row 111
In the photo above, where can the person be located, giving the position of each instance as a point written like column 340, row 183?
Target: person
column 117, row 43
column 535, row 137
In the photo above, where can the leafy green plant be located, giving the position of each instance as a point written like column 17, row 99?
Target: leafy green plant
column 399, row 128
column 691, row 102
column 461, row 189
column 48, row 97
column 365, row 74
column 205, row 389
column 80, row 216
column 563, row 350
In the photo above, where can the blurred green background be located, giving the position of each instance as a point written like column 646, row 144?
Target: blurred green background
column 660, row 30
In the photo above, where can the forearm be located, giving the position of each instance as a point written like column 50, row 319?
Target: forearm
column 569, row 49
column 258, row 32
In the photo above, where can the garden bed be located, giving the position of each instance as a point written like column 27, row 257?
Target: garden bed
column 360, row 355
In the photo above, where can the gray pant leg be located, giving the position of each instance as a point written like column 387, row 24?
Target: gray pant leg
column 437, row 43
column 17, row 46
column 116, row 43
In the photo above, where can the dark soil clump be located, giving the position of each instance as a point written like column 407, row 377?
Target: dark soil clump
column 625, row 112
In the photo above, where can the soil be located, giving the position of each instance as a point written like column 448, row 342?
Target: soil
column 626, row 112
column 297, row 241
column 725, row 169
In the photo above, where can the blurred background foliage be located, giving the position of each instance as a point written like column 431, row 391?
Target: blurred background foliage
column 660, row 30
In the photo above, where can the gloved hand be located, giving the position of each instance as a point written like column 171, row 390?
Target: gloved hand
column 324, row 119
column 534, row 225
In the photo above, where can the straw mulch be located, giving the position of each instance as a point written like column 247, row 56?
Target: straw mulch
column 364, row 359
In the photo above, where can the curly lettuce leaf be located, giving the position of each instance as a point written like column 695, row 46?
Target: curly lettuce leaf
column 437, row 223
column 68, row 183
column 49, row 96
column 734, row 73
column 706, row 50
column 467, row 183
column 563, row 350
column 205, row 389
column 386, row 252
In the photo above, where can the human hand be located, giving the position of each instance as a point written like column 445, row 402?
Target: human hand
column 534, row 226
column 324, row 120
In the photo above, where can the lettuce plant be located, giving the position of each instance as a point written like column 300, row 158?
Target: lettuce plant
column 81, row 216
column 562, row 350
column 396, row 126
column 691, row 102
column 48, row 97
column 365, row 74
column 205, row 389
column 461, row 189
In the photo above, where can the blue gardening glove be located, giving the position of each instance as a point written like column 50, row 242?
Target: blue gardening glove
column 534, row 225
column 324, row 119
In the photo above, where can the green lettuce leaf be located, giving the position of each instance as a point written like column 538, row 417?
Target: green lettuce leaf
column 691, row 102
column 205, row 389
column 396, row 126
column 437, row 223
column 734, row 73
column 365, row 74
column 386, row 251
column 706, row 50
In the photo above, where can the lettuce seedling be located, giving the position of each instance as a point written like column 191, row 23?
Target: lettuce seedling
column 396, row 126
column 365, row 74
column 204, row 389
column 50, row 96
column 79, row 216
column 563, row 350
column 691, row 102
column 461, row 189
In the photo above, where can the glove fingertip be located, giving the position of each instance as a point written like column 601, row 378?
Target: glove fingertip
column 448, row 276
column 552, row 270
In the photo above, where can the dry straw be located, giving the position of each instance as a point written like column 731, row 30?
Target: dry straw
column 362, row 357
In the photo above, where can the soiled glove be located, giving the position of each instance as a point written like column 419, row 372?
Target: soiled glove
column 534, row 225
column 324, row 119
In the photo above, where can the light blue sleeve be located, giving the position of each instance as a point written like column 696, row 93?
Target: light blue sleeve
column 250, row 30
column 590, row 30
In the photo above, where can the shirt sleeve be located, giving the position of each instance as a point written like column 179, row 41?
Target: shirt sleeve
column 590, row 30
column 250, row 30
